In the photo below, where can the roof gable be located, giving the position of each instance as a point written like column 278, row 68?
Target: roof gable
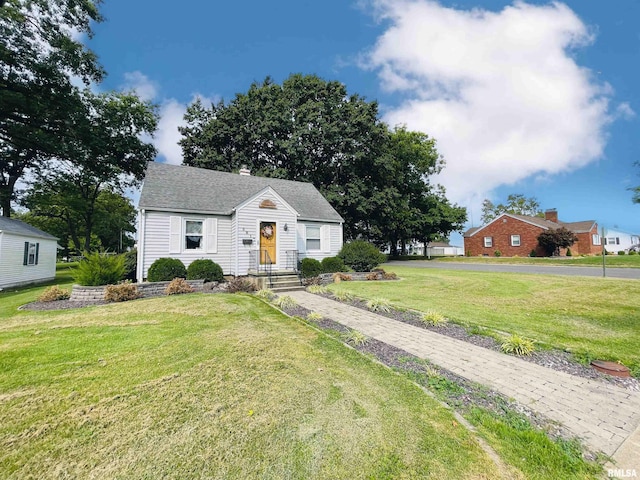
column 189, row 189
column 272, row 192
column 535, row 221
column 17, row 227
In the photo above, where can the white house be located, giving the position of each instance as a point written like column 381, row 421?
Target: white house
column 241, row 222
column 27, row 254
column 615, row 241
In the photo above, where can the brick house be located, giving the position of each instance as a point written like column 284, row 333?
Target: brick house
column 517, row 235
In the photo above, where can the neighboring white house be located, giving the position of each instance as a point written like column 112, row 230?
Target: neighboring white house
column 438, row 249
column 614, row 240
column 27, row 254
column 241, row 222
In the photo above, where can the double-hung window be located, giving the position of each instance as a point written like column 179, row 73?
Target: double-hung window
column 193, row 234
column 488, row 242
column 30, row 253
column 515, row 240
column 313, row 238
column 595, row 238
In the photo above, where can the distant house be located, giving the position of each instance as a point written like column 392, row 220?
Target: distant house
column 517, row 235
column 615, row 241
column 240, row 221
column 27, row 254
column 436, row 249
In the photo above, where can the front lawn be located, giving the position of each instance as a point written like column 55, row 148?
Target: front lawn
column 627, row 261
column 210, row 386
column 593, row 317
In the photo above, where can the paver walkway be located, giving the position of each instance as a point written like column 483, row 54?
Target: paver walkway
column 604, row 416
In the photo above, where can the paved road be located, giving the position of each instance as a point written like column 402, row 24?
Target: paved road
column 632, row 273
column 604, row 416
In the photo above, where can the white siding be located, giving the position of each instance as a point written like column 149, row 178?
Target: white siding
column 157, row 239
column 12, row 270
column 249, row 217
column 330, row 236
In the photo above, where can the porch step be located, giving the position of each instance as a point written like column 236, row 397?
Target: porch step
column 285, row 283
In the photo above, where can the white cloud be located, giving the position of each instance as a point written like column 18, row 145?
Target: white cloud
column 499, row 91
column 141, row 85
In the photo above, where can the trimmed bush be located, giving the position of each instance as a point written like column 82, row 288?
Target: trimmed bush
column 633, row 252
column 569, row 254
column 177, row 286
column 310, row 267
column 621, row 252
column 98, row 269
column 332, row 265
column 497, row 253
column 122, row 292
column 166, row 269
column 533, row 253
column 205, row 269
column 54, row 293
column 361, row 256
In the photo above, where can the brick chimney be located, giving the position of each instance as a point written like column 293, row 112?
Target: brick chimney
column 244, row 171
column 551, row 215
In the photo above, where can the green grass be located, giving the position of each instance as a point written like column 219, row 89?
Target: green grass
column 630, row 261
column 593, row 317
column 209, row 386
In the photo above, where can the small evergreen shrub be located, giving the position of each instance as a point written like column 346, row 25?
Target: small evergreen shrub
column 178, row 286
column 569, row 254
column 205, row 269
column 379, row 305
column 497, row 253
column 317, row 289
column 633, row 252
column 54, row 293
column 266, row 294
column 516, row 345
column 240, row 284
column 130, row 264
column 361, row 256
column 122, row 292
column 166, row 269
column 285, row 301
column 533, row 253
column 314, row 317
column 433, row 318
column 97, row 269
column 310, row 267
column 621, row 252
column 332, row 265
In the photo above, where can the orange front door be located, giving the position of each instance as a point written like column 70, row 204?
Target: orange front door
column 267, row 242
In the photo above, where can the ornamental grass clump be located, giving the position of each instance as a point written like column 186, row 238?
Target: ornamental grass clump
column 314, row 317
column 343, row 296
column 178, row 286
column 54, row 293
column 240, row 284
column 433, row 318
column 122, row 292
column 285, row 301
column 341, row 277
column 355, row 338
column 317, row 289
column 517, row 345
column 379, row 305
column 266, row 294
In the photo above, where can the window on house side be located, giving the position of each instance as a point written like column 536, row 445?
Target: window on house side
column 193, row 234
column 595, row 238
column 515, row 240
column 31, row 255
column 488, row 242
column 313, row 238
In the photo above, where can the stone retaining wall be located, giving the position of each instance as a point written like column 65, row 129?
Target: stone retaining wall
column 147, row 289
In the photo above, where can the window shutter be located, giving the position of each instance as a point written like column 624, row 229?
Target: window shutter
column 37, row 251
column 25, row 259
column 211, row 232
column 175, row 234
column 325, row 238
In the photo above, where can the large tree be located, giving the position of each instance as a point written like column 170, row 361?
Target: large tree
column 40, row 52
column 551, row 241
column 108, row 154
column 516, row 204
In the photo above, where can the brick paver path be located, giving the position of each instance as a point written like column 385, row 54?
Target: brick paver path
column 602, row 415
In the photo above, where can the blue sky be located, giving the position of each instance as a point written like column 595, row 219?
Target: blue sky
column 536, row 98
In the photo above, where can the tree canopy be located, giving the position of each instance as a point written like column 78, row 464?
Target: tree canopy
column 312, row 130
column 516, row 204
column 552, row 241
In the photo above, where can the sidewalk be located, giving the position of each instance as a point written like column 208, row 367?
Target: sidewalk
column 603, row 416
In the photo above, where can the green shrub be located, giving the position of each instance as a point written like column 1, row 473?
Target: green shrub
column 332, row 265
column 569, row 254
column 54, row 293
column 130, row 264
column 122, row 292
column 310, row 267
column 178, row 286
column 633, row 252
column 361, row 256
column 379, row 305
column 240, row 284
column 99, row 269
column 497, row 253
column 516, row 345
column 433, row 318
column 205, row 269
column 533, row 253
column 621, row 252
column 166, row 269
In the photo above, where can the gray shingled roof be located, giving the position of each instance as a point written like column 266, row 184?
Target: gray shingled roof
column 189, row 189
column 11, row 225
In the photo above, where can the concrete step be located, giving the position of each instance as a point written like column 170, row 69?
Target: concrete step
column 279, row 290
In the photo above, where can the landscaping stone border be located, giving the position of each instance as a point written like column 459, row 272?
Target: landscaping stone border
column 146, row 289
